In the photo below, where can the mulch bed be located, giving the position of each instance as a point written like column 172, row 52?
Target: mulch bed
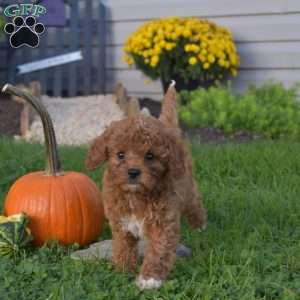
column 203, row 135
column 9, row 116
column 210, row 135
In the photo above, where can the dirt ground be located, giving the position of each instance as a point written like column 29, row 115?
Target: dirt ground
column 9, row 116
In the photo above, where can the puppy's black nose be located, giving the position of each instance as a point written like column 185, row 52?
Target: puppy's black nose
column 133, row 173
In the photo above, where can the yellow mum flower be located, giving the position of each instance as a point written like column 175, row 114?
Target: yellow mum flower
column 207, row 42
column 211, row 58
column 179, row 31
column 206, row 66
column 144, row 42
column 145, row 54
column 161, row 33
column 169, row 46
column 192, row 60
column 169, row 28
column 162, row 43
column 187, row 48
column 203, row 52
column 157, row 49
column 221, row 55
column 221, row 62
column 168, row 35
column 227, row 64
column 202, row 57
column 154, row 61
column 156, row 39
column 195, row 48
column 149, row 33
column 203, row 44
column 187, row 33
column 194, row 38
column 233, row 59
column 173, row 36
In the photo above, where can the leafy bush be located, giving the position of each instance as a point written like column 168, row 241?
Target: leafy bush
column 189, row 48
column 271, row 110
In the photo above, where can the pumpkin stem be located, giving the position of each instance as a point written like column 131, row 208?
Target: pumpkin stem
column 52, row 161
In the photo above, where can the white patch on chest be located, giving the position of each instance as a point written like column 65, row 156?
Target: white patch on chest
column 134, row 226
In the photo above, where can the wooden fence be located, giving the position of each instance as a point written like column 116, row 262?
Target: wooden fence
column 84, row 31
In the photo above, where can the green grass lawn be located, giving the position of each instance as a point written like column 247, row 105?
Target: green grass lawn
column 250, row 250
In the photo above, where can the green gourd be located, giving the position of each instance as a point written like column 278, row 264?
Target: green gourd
column 14, row 235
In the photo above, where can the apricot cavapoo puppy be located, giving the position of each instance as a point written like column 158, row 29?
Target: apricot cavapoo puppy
column 147, row 186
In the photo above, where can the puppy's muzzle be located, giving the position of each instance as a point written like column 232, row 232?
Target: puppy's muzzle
column 133, row 174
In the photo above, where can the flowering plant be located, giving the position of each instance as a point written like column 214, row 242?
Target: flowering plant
column 183, row 48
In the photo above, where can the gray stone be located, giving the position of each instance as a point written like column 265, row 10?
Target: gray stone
column 77, row 120
column 103, row 250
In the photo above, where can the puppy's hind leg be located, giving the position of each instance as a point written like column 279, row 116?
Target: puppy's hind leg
column 194, row 209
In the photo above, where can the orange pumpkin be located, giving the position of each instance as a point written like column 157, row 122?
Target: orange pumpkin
column 63, row 206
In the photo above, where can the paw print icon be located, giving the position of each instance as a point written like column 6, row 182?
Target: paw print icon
column 24, row 32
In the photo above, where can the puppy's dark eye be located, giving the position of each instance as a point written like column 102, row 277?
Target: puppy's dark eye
column 121, row 155
column 149, row 156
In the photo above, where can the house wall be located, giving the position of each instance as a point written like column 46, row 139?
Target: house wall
column 267, row 34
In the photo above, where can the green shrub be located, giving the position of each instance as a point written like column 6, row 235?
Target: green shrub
column 271, row 110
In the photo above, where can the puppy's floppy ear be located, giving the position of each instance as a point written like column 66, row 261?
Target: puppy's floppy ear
column 177, row 154
column 98, row 152
column 168, row 114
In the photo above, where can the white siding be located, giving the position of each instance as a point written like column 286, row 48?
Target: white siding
column 267, row 33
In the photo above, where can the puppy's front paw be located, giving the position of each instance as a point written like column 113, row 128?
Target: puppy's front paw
column 150, row 283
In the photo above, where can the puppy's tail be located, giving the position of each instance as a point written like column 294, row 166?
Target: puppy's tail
column 168, row 114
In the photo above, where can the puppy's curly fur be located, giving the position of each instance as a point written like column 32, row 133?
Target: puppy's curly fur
column 147, row 186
